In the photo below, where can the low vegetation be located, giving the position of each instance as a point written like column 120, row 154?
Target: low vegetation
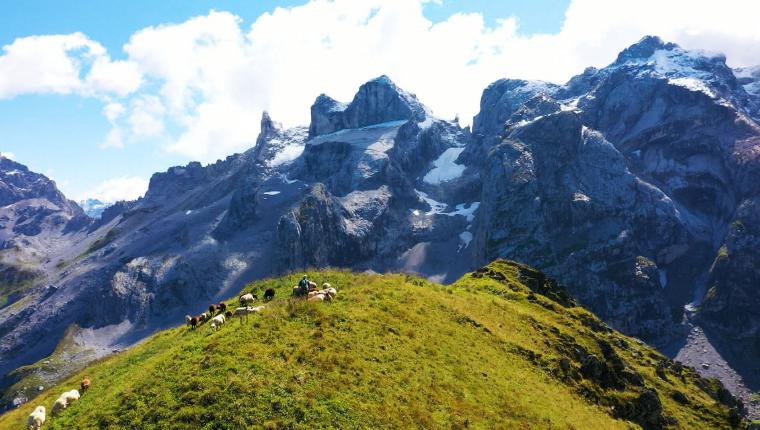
column 502, row 347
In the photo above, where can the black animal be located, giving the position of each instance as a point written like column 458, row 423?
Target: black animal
column 268, row 294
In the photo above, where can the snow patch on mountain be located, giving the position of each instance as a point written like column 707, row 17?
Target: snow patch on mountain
column 446, row 168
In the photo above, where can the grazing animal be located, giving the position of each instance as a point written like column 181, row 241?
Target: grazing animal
column 312, row 286
column 217, row 322
column 36, row 419
column 319, row 297
column 58, row 405
column 212, row 310
column 187, row 319
column 64, row 400
column 330, row 292
column 72, row 396
column 85, row 384
column 326, row 285
column 194, row 322
column 245, row 311
column 204, row 316
column 222, row 307
column 246, row 299
column 268, row 294
column 228, row 314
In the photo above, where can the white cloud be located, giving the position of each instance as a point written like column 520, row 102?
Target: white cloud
column 201, row 85
column 116, row 189
column 115, row 77
column 53, row 64
column 9, row 155
column 145, row 118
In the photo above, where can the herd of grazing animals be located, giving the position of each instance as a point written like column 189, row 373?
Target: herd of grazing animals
column 36, row 419
column 217, row 314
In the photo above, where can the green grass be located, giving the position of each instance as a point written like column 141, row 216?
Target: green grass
column 393, row 351
column 14, row 280
column 101, row 242
column 68, row 357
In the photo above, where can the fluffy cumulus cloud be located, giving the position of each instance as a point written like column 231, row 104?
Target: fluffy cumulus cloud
column 198, row 87
column 56, row 64
column 117, row 189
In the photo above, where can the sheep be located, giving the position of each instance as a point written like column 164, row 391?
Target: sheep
column 203, row 317
column 228, row 314
column 187, row 319
column 269, row 294
column 58, row 405
column 326, row 285
column 222, row 307
column 330, row 292
column 194, row 322
column 212, row 310
column 85, row 384
column 312, row 286
column 36, row 419
column 246, row 299
column 217, row 322
column 316, row 297
column 72, row 396
column 245, row 311
column 64, row 400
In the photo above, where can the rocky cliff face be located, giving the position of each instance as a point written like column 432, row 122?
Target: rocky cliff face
column 635, row 185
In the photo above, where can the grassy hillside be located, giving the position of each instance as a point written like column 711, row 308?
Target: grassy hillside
column 395, row 351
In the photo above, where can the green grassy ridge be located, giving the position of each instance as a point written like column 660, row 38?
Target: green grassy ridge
column 393, row 351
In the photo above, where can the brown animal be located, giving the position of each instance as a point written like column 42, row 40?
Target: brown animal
column 268, row 294
column 228, row 314
column 212, row 309
column 222, row 306
column 85, row 384
column 194, row 322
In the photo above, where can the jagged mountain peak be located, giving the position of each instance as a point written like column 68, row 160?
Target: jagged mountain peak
column 651, row 55
column 18, row 183
column 644, row 49
column 377, row 101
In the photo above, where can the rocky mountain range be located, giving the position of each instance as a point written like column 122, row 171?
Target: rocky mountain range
column 637, row 185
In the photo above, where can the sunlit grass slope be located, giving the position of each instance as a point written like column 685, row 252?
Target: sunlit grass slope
column 394, row 351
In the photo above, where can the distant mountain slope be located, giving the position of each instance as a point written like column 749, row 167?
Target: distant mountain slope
column 492, row 350
column 36, row 221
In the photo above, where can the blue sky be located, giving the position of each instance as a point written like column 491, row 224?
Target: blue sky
column 194, row 86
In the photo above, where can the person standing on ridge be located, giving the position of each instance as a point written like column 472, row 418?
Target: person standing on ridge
column 303, row 286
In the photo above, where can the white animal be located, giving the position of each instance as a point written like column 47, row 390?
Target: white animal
column 64, row 400
column 246, row 299
column 36, row 419
column 217, row 322
column 245, row 311
column 59, row 405
column 326, row 285
column 72, row 396
column 187, row 319
column 204, row 316
column 318, row 297
column 330, row 292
